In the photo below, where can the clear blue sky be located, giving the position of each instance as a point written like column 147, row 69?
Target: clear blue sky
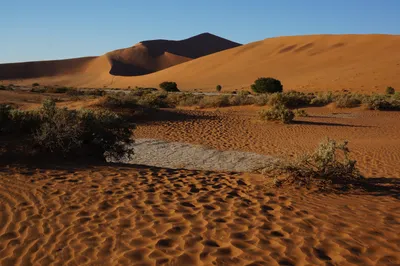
column 51, row 29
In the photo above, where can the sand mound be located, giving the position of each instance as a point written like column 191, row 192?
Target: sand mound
column 120, row 215
column 365, row 63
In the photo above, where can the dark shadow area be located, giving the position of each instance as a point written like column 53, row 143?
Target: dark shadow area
column 312, row 123
column 381, row 186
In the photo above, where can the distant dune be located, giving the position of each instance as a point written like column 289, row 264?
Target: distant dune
column 143, row 58
column 365, row 63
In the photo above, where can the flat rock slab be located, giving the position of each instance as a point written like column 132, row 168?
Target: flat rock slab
column 177, row 155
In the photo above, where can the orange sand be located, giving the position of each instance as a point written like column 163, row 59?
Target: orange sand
column 121, row 215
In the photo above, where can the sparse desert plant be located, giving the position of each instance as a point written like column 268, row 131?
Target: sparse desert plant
column 300, row 113
column 261, row 99
column 69, row 132
column 348, row 100
column 218, row 88
column 212, row 102
column 278, row 113
column 296, row 99
column 169, row 86
column 390, row 90
column 329, row 164
column 322, row 99
column 242, row 98
column 267, row 85
column 35, row 84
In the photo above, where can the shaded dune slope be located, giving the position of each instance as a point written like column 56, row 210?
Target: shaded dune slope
column 151, row 56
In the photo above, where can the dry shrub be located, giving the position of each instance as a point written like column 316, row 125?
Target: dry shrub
column 329, row 164
column 278, row 113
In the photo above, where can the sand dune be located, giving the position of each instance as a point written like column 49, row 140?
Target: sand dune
column 365, row 63
column 122, row 215
column 151, row 56
column 143, row 58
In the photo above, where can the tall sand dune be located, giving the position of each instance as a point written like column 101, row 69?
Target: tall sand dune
column 365, row 63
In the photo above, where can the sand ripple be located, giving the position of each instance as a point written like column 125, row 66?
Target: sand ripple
column 120, row 215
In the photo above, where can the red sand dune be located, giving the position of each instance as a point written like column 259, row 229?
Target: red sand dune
column 365, row 63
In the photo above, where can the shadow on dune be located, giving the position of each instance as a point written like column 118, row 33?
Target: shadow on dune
column 382, row 186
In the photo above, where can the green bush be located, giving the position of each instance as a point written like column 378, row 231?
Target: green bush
column 329, row 164
column 169, row 86
column 267, row 85
column 381, row 102
column 278, row 113
column 390, row 90
column 296, row 99
column 261, row 99
column 218, row 88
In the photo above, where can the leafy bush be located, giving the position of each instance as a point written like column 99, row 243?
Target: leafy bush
column 218, row 88
column 267, row 85
column 169, row 86
column 278, row 113
column 390, row 90
column 329, row 164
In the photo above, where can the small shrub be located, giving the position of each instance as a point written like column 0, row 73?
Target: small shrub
column 348, row 101
column 169, row 86
column 296, row 99
column 300, row 113
column 275, row 99
column 212, row 102
column 390, row 90
column 261, row 99
column 329, row 164
column 267, row 85
column 242, row 98
column 278, row 113
column 35, row 84
column 218, row 88
column 322, row 99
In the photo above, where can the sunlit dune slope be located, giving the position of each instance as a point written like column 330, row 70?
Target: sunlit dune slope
column 317, row 62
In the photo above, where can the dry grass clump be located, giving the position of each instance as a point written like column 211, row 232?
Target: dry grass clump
column 329, row 164
column 278, row 113
column 348, row 100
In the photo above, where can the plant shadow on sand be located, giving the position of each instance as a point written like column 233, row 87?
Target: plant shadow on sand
column 315, row 123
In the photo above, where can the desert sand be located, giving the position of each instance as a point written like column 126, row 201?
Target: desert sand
column 365, row 63
column 122, row 215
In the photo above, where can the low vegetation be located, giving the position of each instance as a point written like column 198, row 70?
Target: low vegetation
column 390, row 90
column 218, row 88
column 329, row 164
column 67, row 132
column 278, row 113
